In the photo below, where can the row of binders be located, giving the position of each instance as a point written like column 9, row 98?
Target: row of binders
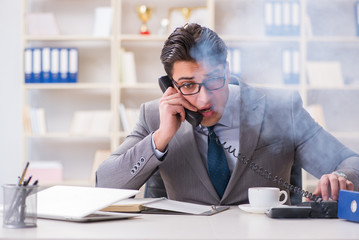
column 50, row 65
column 282, row 18
column 290, row 64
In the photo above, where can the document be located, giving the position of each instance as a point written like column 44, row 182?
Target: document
column 163, row 205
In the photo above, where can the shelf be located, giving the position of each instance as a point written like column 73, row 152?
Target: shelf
column 138, row 37
column 259, row 38
column 55, row 135
column 352, row 135
column 345, row 87
column 346, row 39
column 69, row 182
column 139, row 85
column 68, row 86
column 65, row 38
column 278, row 86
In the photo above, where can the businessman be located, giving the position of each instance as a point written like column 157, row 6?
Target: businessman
column 265, row 126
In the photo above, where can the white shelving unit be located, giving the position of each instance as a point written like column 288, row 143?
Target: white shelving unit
column 239, row 23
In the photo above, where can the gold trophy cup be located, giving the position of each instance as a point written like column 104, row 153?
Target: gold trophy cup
column 186, row 13
column 144, row 13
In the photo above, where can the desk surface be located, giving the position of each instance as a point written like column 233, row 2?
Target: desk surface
column 230, row 224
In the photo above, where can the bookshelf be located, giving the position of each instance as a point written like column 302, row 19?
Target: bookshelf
column 240, row 23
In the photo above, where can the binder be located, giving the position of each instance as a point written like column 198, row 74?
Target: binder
column 348, row 202
column 55, row 65
column 64, row 65
column 45, row 67
column 295, row 22
column 28, row 65
column 278, row 19
column 290, row 66
column 36, row 67
column 357, row 17
column 287, row 17
column 268, row 17
column 73, row 65
column 234, row 59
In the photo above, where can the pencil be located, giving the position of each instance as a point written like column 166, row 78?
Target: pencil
column 23, row 173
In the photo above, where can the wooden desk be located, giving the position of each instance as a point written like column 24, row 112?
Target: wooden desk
column 231, row 224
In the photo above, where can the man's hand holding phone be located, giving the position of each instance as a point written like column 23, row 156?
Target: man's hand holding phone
column 172, row 113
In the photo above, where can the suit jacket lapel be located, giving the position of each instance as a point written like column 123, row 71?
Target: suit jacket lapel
column 184, row 138
column 252, row 106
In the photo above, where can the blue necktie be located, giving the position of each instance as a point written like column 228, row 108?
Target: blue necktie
column 217, row 164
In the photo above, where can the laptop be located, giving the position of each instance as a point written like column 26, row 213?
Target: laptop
column 80, row 204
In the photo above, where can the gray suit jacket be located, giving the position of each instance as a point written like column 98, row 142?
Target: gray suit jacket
column 275, row 132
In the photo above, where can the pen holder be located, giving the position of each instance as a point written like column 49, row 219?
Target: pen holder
column 20, row 206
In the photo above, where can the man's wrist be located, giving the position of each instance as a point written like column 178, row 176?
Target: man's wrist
column 341, row 174
column 159, row 154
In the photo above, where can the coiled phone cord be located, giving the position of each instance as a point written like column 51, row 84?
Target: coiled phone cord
column 267, row 175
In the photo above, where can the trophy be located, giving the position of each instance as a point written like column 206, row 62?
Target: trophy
column 186, row 12
column 144, row 13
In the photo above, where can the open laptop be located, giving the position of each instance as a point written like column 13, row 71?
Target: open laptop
column 80, row 204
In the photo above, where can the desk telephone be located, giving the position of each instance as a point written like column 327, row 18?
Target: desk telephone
column 315, row 208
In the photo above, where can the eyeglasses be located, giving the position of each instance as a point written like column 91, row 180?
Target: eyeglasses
column 192, row 88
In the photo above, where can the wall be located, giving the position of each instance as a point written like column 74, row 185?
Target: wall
column 10, row 92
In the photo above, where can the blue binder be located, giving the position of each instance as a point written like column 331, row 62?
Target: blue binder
column 36, row 65
column 28, row 65
column 73, row 65
column 348, row 205
column 55, row 65
column 64, row 65
column 45, row 65
column 357, row 17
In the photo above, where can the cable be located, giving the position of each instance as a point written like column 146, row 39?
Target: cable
column 267, row 175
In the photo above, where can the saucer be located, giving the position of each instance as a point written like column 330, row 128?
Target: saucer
column 248, row 208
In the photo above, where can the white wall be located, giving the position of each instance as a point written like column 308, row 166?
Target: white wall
column 10, row 92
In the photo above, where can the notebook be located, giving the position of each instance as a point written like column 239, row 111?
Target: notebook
column 80, row 204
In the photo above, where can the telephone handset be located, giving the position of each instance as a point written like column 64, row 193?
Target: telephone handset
column 316, row 208
column 192, row 117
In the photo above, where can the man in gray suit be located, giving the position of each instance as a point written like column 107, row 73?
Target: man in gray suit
column 269, row 130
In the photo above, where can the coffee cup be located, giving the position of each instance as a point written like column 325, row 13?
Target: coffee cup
column 266, row 197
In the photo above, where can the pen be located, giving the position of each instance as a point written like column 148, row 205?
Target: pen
column 23, row 174
column 36, row 182
column 26, row 182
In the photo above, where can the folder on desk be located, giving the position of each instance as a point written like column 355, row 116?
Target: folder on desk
column 163, row 206
column 348, row 205
column 80, row 204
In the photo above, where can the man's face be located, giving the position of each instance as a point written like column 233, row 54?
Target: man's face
column 210, row 103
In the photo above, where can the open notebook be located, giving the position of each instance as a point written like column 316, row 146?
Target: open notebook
column 80, row 204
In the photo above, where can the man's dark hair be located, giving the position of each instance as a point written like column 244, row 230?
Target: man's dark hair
column 193, row 43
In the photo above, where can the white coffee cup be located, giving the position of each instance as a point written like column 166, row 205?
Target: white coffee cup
column 266, row 197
